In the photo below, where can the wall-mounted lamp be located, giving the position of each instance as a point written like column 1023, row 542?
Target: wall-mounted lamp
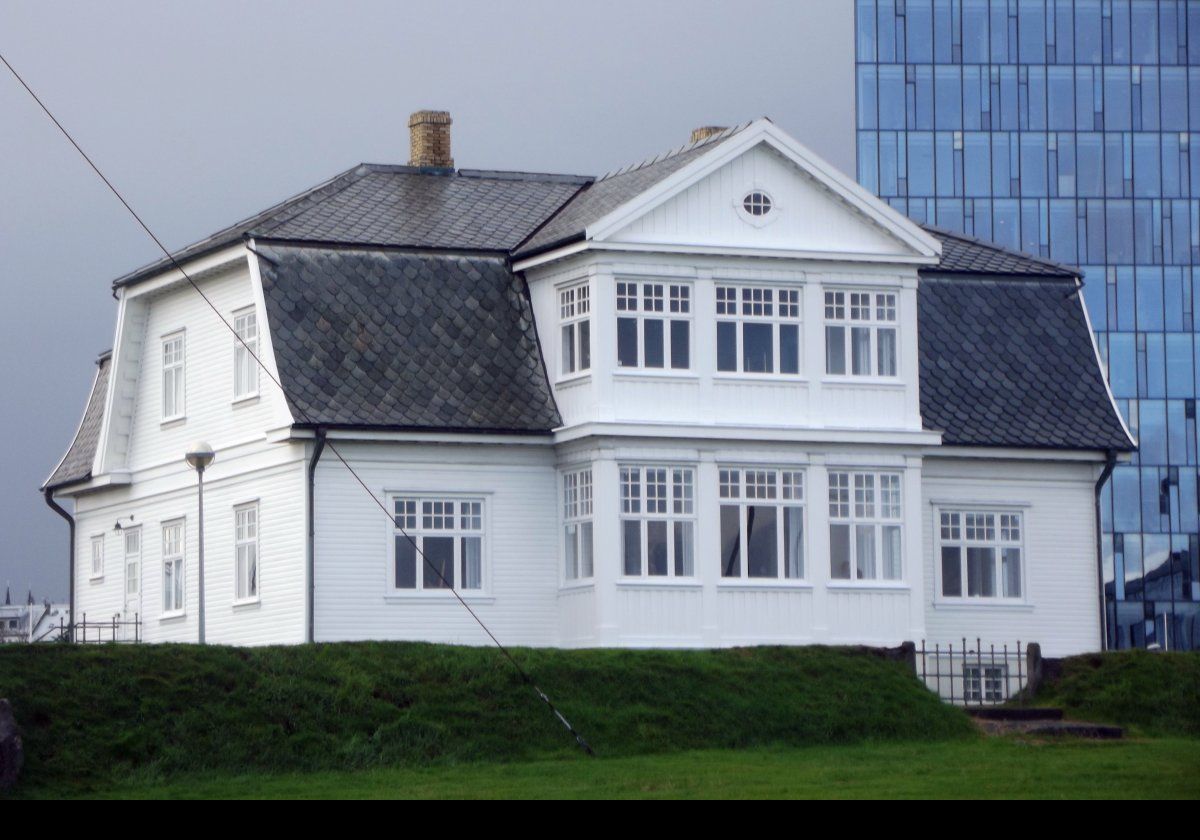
column 120, row 527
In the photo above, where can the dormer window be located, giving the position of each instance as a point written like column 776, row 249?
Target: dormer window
column 245, row 348
column 575, row 308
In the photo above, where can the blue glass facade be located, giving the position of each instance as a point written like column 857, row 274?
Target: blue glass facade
column 1070, row 129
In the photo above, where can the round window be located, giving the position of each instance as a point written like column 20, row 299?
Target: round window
column 757, row 203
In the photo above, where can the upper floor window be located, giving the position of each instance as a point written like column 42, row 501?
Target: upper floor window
column 574, row 310
column 982, row 549
column 658, row 521
column 762, row 523
column 245, row 349
column 172, row 377
column 245, row 541
column 577, row 516
column 865, row 513
column 97, row 556
column 860, row 328
column 654, row 325
column 172, row 562
column 438, row 544
column 758, row 329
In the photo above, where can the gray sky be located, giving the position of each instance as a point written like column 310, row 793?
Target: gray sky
column 203, row 113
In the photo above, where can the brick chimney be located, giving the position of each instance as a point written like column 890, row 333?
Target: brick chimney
column 706, row 131
column 429, row 139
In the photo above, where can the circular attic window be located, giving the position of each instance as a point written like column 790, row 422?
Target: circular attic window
column 757, row 203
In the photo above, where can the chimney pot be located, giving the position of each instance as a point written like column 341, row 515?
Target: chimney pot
column 706, row 131
column 429, row 140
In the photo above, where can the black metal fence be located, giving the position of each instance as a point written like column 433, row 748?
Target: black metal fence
column 115, row 629
column 978, row 675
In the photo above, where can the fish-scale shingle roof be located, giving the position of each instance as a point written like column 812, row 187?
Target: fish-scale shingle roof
column 76, row 465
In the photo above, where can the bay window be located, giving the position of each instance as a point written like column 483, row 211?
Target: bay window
column 865, row 515
column 860, row 333
column 438, row 544
column 574, row 309
column 762, row 523
column 658, row 521
column 654, row 325
column 980, row 554
column 577, row 518
column 758, row 329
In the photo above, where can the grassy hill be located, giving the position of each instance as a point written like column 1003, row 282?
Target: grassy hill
column 89, row 715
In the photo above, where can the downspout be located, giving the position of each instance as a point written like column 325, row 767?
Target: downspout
column 310, row 634
column 57, row 508
column 1110, row 462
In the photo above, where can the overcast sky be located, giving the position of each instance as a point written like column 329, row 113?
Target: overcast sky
column 203, row 113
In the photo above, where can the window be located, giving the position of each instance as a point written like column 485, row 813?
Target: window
column 654, row 325
column 762, row 523
column 172, row 377
column 984, row 683
column 245, row 348
column 757, row 203
column 981, row 554
column 658, row 521
column 133, row 561
column 172, row 560
column 98, row 557
column 577, row 516
column 438, row 544
column 245, row 539
column 758, row 329
column 575, row 306
column 865, row 512
column 866, row 339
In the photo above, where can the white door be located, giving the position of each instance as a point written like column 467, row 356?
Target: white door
column 133, row 583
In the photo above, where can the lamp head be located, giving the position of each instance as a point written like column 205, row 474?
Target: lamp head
column 199, row 456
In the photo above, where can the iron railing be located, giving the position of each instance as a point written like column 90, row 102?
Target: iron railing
column 114, row 630
column 976, row 675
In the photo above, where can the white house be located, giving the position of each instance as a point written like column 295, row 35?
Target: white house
column 720, row 397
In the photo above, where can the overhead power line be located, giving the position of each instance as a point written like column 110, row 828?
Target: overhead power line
column 579, row 739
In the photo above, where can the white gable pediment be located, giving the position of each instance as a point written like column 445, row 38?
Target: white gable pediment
column 815, row 211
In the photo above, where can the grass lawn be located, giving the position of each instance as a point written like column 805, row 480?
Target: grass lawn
column 971, row 768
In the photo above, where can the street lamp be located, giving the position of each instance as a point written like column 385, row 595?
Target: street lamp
column 198, row 457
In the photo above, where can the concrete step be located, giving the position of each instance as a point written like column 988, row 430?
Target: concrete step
column 1014, row 713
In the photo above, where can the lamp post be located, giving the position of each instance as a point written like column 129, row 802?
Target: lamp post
column 198, row 457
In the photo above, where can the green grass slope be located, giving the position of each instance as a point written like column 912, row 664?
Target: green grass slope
column 1155, row 693
column 90, row 714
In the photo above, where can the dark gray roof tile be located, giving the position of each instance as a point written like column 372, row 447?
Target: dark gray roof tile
column 76, row 465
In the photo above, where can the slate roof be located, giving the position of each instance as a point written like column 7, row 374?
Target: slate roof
column 405, row 340
column 403, row 206
column 610, row 191
column 962, row 254
column 76, row 465
column 1009, row 361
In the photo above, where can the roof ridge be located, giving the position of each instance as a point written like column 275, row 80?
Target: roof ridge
column 678, row 150
column 993, row 246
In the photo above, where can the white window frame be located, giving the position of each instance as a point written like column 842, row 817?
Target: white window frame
column 859, row 503
column 424, row 517
column 775, row 306
column 666, row 302
column 246, row 555
column 645, row 500
column 579, row 558
column 960, row 527
column 575, row 317
column 173, row 607
column 174, row 370
column 137, row 580
column 245, row 349
column 984, row 683
column 96, row 570
column 780, row 487
column 874, row 311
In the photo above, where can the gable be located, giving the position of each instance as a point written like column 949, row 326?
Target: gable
column 806, row 216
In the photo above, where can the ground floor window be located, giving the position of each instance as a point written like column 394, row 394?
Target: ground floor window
column 172, row 561
column 865, row 513
column 984, row 683
column 658, row 521
column 577, row 519
column 762, row 523
column 246, row 550
column 438, row 544
column 980, row 553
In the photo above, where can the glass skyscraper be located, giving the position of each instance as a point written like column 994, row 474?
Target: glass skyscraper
column 1070, row 129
